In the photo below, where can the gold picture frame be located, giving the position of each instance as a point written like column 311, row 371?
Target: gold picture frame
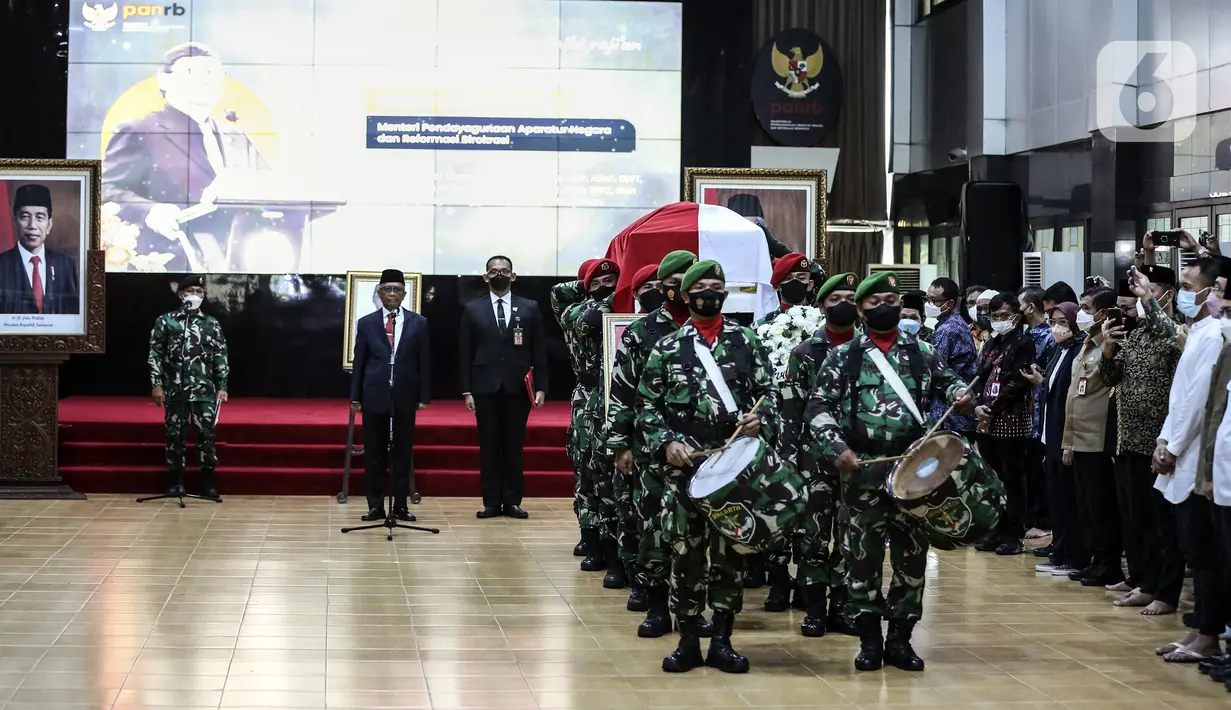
column 800, row 199
column 613, row 328
column 74, row 317
column 360, row 292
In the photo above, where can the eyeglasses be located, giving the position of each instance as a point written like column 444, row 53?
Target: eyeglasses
column 1001, row 318
column 499, row 272
column 392, row 289
column 1061, row 323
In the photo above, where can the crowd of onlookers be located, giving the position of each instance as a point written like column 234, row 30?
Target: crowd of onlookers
column 1104, row 414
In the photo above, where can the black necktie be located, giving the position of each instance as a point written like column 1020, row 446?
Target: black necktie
column 500, row 314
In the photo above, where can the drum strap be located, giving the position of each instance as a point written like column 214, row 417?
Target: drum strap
column 706, row 357
column 899, row 387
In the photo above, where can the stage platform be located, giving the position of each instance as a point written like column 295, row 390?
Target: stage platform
column 292, row 447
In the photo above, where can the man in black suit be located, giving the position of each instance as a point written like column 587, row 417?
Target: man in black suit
column 391, row 380
column 501, row 341
column 33, row 278
column 165, row 161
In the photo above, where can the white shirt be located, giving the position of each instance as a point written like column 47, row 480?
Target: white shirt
column 1186, row 408
column 508, row 307
column 1222, row 459
column 398, row 327
column 26, row 255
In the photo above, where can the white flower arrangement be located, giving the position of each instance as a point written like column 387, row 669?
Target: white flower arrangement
column 787, row 330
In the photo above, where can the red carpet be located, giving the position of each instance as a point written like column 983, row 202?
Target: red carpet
column 292, row 447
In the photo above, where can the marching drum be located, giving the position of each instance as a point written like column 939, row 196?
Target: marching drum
column 751, row 496
column 949, row 488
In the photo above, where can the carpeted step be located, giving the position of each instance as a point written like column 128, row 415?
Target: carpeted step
column 239, row 480
column 109, row 453
column 293, row 434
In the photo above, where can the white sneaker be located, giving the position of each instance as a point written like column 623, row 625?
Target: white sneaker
column 1046, row 567
column 1063, row 571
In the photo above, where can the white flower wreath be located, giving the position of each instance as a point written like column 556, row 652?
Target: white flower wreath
column 787, row 330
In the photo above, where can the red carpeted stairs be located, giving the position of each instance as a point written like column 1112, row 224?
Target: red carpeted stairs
column 293, row 447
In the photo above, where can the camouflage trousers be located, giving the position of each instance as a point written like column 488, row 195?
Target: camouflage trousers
column 598, row 473
column 654, row 552
column 819, row 543
column 202, row 416
column 874, row 518
column 572, row 446
column 702, row 560
column 627, row 489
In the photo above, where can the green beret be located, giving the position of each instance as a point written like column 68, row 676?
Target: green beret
column 880, row 282
column 708, row 269
column 677, row 262
column 837, row 282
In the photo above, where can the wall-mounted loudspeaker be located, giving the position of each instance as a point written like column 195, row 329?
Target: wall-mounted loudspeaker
column 993, row 233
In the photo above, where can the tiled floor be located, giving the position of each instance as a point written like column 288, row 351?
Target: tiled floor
column 261, row 602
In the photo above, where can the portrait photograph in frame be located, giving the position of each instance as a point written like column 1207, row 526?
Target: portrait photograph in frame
column 50, row 226
column 613, row 329
column 791, row 204
column 362, row 299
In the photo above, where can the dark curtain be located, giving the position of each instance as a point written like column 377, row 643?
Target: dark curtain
column 856, row 31
column 853, row 251
column 34, row 53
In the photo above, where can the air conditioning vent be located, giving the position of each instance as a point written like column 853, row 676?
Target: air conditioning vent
column 911, row 277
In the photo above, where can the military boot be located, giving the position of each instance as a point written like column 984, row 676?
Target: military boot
column 658, row 618
column 579, row 550
column 721, row 656
column 799, row 599
column 754, row 572
column 813, row 625
column 687, row 655
column 779, row 598
column 208, row 489
column 175, row 483
column 839, row 621
column 638, row 600
column 595, row 560
column 898, row 651
column 616, row 577
column 871, row 644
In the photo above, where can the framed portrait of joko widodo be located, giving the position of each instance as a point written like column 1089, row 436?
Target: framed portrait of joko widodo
column 613, row 332
column 363, row 297
column 52, row 272
column 789, row 204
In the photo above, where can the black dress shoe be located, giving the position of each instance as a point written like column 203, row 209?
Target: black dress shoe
column 373, row 515
column 404, row 515
column 1044, row 551
column 488, row 512
column 516, row 511
column 1102, row 578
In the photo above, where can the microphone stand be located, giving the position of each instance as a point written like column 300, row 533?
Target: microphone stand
column 183, row 410
column 391, row 522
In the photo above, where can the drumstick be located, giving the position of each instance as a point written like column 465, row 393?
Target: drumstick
column 927, row 436
column 734, row 436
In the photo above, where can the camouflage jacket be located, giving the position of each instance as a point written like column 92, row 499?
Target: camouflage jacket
column 677, row 402
column 881, row 422
column 801, row 372
column 563, row 296
column 188, row 364
column 635, row 345
column 583, row 321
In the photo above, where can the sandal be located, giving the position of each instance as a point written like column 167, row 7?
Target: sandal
column 1169, row 648
column 1184, row 655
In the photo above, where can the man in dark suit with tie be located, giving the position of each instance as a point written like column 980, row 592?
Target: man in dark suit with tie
column 391, row 380
column 501, row 340
column 33, row 278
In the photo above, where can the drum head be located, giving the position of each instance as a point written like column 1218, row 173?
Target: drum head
column 723, row 467
column 927, row 467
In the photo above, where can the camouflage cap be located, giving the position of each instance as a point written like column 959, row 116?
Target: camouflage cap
column 838, row 282
column 677, row 262
column 708, row 269
column 880, row 282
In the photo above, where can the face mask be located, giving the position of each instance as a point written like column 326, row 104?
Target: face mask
column 1186, row 302
column 650, row 300
column 707, row 303
column 193, row 302
column 674, row 297
column 883, row 318
column 1085, row 321
column 973, row 313
column 909, row 326
column 499, row 283
column 1003, row 326
column 793, row 292
column 1141, row 309
column 931, row 310
column 1213, row 304
column 602, row 292
column 842, row 314
column 1060, row 333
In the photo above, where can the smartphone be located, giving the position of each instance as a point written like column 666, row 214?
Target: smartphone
column 1167, row 239
column 1115, row 315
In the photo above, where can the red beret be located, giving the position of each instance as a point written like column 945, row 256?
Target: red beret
column 585, row 266
column 601, row 267
column 646, row 273
column 787, row 264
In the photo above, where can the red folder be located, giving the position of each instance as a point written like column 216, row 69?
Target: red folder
column 530, row 386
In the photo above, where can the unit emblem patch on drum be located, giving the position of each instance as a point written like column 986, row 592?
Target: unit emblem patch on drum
column 735, row 521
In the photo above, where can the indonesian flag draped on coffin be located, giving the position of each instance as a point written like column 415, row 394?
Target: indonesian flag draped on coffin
column 710, row 232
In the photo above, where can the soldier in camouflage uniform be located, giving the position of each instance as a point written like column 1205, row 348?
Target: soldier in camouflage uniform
column 564, row 295
column 819, row 568
column 855, row 411
column 652, row 561
column 683, row 409
column 584, row 322
column 188, row 376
